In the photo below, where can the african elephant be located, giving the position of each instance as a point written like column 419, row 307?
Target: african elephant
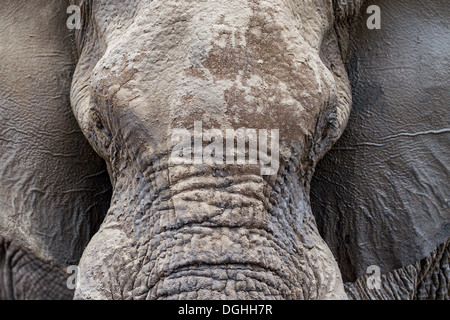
column 141, row 224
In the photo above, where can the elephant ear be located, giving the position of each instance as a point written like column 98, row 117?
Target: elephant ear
column 54, row 190
column 380, row 196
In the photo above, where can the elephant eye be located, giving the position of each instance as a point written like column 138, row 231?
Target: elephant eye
column 100, row 125
column 330, row 125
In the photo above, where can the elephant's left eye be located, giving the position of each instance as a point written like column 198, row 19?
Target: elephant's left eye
column 330, row 126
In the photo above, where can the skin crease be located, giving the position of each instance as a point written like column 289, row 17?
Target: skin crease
column 145, row 68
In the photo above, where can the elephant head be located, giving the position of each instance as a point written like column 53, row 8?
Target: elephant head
column 211, row 117
column 174, row 230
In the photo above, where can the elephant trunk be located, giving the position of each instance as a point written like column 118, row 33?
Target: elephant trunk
column 199, row 232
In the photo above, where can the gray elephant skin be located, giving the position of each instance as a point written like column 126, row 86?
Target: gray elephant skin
column 88, row 177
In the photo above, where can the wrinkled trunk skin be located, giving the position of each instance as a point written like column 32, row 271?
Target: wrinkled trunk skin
column 183, row 233
column 209, row 231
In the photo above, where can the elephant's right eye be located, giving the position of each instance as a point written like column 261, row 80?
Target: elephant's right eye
column 100, row 125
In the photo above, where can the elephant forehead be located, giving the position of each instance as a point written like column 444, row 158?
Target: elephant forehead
column 253, row 68
column 112, row 17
